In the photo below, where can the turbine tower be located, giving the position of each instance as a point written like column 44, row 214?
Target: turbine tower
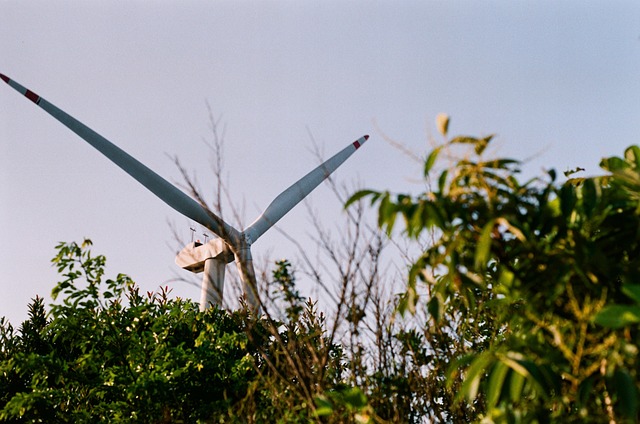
column 232, row 244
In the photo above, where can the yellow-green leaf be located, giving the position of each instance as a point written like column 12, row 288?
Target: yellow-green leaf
column 442, row 122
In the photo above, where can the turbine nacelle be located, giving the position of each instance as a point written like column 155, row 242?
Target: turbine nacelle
column 212, row 257
column 194, row 254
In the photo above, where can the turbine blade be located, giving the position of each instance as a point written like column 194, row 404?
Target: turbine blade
column 298, row 191
column 166, row 191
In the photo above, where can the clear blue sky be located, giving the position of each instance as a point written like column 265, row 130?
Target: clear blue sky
column 555, row 80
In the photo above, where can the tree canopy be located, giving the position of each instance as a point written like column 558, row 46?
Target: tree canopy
column 534, row 283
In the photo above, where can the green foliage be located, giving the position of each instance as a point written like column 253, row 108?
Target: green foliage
column 107, row 353
column 532, row 287
column 522, row 306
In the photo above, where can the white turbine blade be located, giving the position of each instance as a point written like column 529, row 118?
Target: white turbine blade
column 166, row 191
column 298, row 191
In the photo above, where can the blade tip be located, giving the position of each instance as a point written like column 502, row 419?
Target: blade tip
column 359, row 142
column 4, row 78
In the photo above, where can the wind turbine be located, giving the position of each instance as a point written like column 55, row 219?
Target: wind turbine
column 232, row 244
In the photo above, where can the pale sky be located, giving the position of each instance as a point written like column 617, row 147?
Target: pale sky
column 557, row 81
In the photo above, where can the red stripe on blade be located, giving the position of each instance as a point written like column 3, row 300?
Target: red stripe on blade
column 32, row 96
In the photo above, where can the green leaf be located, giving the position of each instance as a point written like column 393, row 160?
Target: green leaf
column 527, row 370
column 618, row 316
column 498, row 163
column 431, row 159
column 464, row 139
column 359, row 195
column 516, row 384
column 590, row 196
column 455, row 368
column 633, row 291
column 505, row 279
column 482, row 144
column 414, row 215
column 613, row 164
column 567, row 200
column 496, row 382
column 432, row 217
column 474, row 374
column 483, row 247
column 442, row 180
column 324, row 407
column 627, row 393
column 387, row 214
column 632, row 156
column 355, row 398
column 435, row 307
column 585, row 390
